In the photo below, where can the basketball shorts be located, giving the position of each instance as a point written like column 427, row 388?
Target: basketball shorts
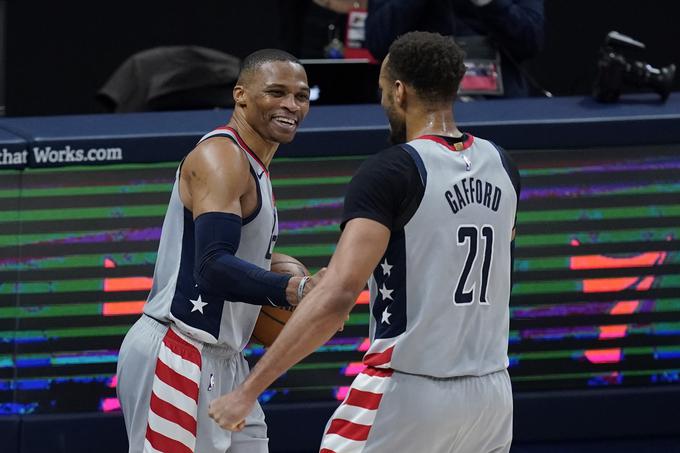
column 388, row 411
column 166, row 382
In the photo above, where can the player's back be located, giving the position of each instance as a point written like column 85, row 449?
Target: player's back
column 440, row 297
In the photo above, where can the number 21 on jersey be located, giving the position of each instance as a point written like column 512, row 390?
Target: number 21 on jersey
column 479, row 244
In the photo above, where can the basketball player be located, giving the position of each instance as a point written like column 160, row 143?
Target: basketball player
column 431, row 222
column 211, row 275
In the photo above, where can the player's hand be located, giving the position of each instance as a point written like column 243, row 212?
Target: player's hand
column 313, row 281
column 296, row 283
column 230, row 410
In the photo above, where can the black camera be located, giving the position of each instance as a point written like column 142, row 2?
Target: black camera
column 615, row 71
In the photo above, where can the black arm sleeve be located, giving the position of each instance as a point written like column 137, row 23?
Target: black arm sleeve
column 387, row 188
column 219, row 272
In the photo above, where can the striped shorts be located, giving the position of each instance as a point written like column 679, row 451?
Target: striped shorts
column 388, row 411
column 166, row 382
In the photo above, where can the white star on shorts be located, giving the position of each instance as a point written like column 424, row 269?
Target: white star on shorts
column 198, row 304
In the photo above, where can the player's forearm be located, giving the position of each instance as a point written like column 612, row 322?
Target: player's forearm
column 218, row 271
column 323, row 311
column 320, row 315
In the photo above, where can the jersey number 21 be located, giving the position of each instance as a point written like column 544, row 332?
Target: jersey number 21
column 470, row 234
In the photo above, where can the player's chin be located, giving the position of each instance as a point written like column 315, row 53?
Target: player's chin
column 283, row 137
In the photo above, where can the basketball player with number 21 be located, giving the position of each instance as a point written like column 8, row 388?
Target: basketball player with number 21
column 212, row 273
column 431, row 222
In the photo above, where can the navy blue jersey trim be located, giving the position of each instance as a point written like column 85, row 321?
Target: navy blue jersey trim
column 391, row 295
column 512, row 172
column 419, row 162
column 252, row 216
column 225, row 135
column 510, row 168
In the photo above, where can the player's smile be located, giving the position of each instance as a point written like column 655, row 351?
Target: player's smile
column 283, row 100
column 287, row 123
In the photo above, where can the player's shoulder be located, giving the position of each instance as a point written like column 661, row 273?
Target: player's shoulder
column 496, row 148
column 391, row 167
column 388, row 157
column 485, row 142
column 219, row 149
column 506, row 161
column 216, row 158
column 505, row 156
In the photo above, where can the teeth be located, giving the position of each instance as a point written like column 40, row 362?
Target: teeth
column 286, row 120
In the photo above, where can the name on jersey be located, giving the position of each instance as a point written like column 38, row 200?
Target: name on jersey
column 473, row 191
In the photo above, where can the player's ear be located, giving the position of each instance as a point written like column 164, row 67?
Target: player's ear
column 239, row 94
column 399, row 94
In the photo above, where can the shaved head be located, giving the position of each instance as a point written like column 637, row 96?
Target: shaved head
column 256, row 59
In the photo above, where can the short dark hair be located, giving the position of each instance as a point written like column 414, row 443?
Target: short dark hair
column 431, row 63
column 256, row 59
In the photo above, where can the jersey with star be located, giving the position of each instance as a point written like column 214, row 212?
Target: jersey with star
column 421, row 319
column 175, row 297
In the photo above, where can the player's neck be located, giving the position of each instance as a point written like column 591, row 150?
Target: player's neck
column 264, row 149
column 431, row 122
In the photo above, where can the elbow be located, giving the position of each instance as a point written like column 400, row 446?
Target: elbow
column 205, row 263
column 338, row 306
column 204, row 274
column 202, row 262
column 344, row 302
column 341, row 307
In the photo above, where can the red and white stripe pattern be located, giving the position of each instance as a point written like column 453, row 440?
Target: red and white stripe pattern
column 173, row 410
column 351, row 423
column 379, row 355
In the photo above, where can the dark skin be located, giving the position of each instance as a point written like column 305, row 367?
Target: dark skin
column 270, row 103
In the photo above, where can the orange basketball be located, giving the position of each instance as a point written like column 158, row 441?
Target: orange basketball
column 272, row 319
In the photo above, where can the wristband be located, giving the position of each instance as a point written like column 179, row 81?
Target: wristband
column 301, row 287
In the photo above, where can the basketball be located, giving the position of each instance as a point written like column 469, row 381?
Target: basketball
column 272, row 319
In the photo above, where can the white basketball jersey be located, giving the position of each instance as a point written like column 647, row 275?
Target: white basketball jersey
column 440, row 296
column 174, row 295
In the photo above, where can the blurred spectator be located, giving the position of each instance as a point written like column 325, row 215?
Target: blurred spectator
column 171, row 78
column 514, row 27
column 315, row 28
